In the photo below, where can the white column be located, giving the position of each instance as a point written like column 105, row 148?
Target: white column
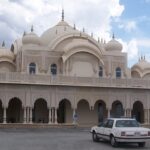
column 125, row 112
column 24, row 115
column 30, row 114
column 4, row 115
column 128, row 112
column 27, row 114
column 74, row 116
column 145, row 116
column 55, row 109
column 148, row 116
column 50, row 116
column 108, row 114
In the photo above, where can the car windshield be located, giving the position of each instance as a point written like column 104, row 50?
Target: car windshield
column 127, row 123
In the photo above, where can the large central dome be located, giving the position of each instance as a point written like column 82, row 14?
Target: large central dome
column 62, row 28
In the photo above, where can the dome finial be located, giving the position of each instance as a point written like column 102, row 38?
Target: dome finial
column 83, row 29
column 62, row 16
column 74, row 27
column 32, row 29
column 3, row 44
column 24, row 33
column 113, row 36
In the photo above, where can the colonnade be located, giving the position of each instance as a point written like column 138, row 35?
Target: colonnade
column 52, row 115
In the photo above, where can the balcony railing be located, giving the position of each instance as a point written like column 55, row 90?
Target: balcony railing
column 20, row 78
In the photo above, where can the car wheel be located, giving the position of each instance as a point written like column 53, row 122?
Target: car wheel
column 113, row 141
column 141, row 144
column 94, row 136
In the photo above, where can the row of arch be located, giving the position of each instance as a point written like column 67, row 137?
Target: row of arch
column 65, row 114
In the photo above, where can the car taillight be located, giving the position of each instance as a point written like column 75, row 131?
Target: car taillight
column 148, row 133
column 123, row 133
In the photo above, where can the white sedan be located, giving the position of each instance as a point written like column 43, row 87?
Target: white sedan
column 117, row 130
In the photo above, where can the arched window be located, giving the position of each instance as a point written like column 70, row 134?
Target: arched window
column 53, row 69
column 100, row 71
column 32, row 68
column 118, row 72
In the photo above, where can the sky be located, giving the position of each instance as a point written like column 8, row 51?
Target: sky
column 129, row 20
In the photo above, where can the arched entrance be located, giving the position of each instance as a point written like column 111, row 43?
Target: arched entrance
column 1, row 112
column 40, row 111
column 100, row 109
column 15, row 111
column 117, row 110
column 83, row 112
column 138, row 111
column 64, row 112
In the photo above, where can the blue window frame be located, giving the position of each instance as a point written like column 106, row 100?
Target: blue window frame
column 32, row 68
column 118, row 72
column 54, row 69
column 100, row 71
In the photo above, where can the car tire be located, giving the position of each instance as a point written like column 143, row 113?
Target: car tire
column 141, row 144
column 113, row 141
column 94, row 137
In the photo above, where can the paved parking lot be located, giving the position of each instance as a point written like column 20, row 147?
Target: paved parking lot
column 54, row 139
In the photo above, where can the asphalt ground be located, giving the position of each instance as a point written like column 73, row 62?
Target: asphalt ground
column 56, row 139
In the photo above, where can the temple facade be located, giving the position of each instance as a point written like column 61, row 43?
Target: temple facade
column 66, row 76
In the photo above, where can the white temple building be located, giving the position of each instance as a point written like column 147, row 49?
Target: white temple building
column 66, row 76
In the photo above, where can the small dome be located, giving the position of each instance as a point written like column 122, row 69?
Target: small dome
column 113, row 45
column 6, row 54
column 31, row 38
column 142, row 65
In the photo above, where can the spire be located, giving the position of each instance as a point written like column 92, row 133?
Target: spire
column 74, row 27
column 3, row 44
column 113, row 36
column 32, row 28
column 83, row 29
column 62, row 16
column 24, row 33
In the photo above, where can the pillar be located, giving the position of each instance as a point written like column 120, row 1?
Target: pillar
column 108, row 113
column 55, row 114
column 4, row 115
column 24, row 115
column 50, row 116
column 146, row 116
column 74, row 116
column 30, row 114
column 128, row 112
column 27, row 114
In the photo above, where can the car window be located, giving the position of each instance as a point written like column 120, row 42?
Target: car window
column 109, row 124
column 127, row 123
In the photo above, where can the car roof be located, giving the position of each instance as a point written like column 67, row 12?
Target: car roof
column 121, row 119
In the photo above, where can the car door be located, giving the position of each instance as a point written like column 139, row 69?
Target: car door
column 108, row 129
column 100, row 130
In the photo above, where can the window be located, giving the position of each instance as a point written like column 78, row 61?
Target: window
column 53, row 69
column 109, row 124
column 118, row 72
column 100, row 71
column 127, row 123
column 32, row 68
